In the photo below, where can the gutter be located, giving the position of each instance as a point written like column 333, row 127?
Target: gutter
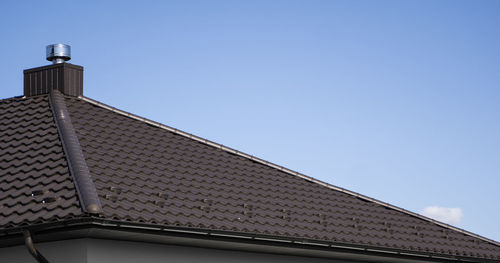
column 28, row 241
column 102, row 228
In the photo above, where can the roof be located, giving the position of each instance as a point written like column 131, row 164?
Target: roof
column 145, row 172
column 35, row 182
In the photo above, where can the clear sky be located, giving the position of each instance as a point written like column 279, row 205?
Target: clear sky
column 397, row 100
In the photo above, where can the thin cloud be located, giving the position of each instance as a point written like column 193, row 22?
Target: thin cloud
column 444, row 214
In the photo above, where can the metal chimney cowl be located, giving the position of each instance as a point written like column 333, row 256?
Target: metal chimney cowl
column 62, row 76
column 58, row 53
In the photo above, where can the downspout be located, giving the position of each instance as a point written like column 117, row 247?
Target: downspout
column 28, row 241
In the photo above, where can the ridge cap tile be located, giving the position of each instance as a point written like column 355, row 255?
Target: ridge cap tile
column 84, row 185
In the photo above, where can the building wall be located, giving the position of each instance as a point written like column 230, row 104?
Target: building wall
column 128, row 252
column 111, row 251
column 74, row 251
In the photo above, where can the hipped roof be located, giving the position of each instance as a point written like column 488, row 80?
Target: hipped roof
column 145, row 172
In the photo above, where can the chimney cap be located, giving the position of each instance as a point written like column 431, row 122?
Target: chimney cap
column 58, row 53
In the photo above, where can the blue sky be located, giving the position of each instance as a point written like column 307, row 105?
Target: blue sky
column 397, row 100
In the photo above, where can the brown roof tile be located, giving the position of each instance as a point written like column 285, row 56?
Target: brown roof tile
column 148, row 174
column 35, row 182
column 154, row 175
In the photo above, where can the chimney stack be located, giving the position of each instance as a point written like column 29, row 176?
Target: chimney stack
column 64, row 77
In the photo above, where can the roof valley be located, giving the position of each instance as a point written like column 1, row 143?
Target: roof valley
column 78, row 168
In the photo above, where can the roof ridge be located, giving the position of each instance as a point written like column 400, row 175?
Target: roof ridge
column 84, row 185
column 11, row 98
column 283, row 169
column 21, row 97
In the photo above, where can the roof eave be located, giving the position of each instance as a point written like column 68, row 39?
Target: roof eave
column 92, row 227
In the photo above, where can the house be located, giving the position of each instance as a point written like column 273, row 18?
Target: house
column 82, row 181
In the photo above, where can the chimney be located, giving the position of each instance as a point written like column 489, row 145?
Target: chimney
column 64, row 77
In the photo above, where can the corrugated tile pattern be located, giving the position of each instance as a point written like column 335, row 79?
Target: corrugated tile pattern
column 35, row 184
column 148, row 174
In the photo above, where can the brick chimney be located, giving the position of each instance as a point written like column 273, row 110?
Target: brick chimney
column 64, row 77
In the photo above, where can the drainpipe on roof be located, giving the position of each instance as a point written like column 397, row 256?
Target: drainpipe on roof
column 28, row 241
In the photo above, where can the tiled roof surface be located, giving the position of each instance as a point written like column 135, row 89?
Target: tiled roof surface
column 148, row 174
column 35, row 184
